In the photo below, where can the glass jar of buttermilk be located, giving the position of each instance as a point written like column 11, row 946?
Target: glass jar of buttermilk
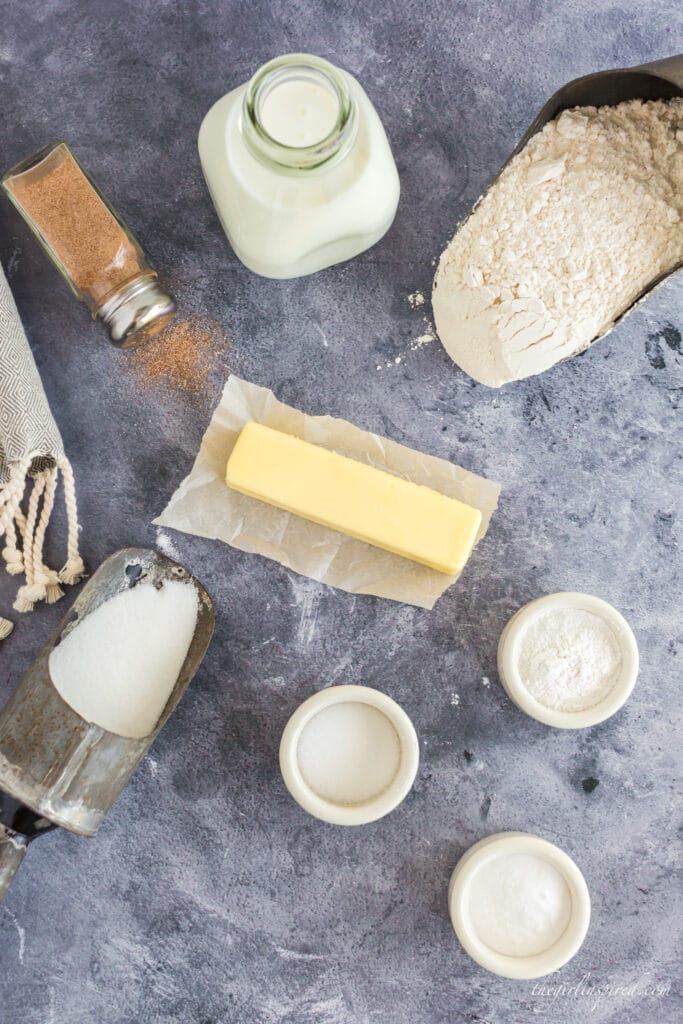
column 299, row 167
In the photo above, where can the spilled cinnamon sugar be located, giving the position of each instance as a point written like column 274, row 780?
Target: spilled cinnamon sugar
column 183, row 355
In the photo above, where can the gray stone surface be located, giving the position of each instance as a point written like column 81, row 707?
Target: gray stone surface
column 209, row 896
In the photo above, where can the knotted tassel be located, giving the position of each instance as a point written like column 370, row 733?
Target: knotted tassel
column 42, row 575
column 73, row 571
column 48, row 581
column 31, row 591
column 74, row 567
column 6, row 628
column 14, row 561
column 28, row 596
column 42, row 583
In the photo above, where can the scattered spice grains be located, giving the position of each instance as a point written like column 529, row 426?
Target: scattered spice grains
column 183, row 355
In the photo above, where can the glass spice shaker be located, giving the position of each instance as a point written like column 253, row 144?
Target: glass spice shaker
column 89, row 244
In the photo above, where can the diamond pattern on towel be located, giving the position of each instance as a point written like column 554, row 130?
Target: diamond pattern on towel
column 26, row 422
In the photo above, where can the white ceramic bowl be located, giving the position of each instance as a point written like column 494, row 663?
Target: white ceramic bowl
column 518, row 967
column 508, row 661
column 380, row 803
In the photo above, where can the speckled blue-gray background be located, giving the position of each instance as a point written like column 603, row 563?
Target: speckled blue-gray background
column 209, row 896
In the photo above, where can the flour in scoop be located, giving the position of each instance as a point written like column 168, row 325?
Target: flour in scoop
column 578, row 224
column 349, row 753
column 118, row 667
column 569, row 659
column 519, row 904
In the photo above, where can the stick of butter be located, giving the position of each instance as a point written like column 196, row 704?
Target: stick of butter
column 356, row 499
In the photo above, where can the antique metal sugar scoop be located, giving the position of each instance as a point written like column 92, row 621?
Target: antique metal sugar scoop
column 56, row 769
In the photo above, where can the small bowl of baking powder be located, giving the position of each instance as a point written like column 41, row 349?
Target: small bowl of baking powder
column 569, row 660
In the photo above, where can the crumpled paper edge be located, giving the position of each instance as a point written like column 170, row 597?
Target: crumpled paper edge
column 205, row 506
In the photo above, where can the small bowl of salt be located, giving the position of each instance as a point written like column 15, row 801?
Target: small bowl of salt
column 349, row 755
column 569, row 660
column 519, row 905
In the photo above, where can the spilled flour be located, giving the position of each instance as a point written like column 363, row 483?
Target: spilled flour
column 574, row 229
column 416, row 300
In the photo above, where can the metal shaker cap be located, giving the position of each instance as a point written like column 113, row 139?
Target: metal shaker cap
column 137, row 311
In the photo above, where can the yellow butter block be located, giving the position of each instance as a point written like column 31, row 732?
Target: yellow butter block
column 363, row 502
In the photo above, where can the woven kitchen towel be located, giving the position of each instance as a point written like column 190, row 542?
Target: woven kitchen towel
column 31, row 458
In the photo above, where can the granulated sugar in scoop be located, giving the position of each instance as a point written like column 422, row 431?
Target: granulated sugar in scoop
column 118, row 667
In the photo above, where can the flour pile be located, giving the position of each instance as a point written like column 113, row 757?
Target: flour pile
column 569, row 659
column 576, row 227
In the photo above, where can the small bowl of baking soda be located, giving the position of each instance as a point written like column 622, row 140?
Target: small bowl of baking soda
column 569, row 660
column 519, row 905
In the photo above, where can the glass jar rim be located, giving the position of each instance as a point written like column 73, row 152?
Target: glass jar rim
column 294, row 159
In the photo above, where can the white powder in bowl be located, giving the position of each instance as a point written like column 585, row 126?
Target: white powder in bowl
column 519, row 904
column 569, row 659
column 349, row 753
column 578, row 224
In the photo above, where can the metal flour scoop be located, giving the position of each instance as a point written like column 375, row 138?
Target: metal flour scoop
column 659, row 80
column 56, row 769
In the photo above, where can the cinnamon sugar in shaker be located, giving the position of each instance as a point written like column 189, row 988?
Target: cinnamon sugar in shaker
column 89, row 244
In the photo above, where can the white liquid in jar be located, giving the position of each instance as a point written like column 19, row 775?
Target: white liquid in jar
column 519, row 904
column 299, row 113
column 349, row 753
column 283, row 224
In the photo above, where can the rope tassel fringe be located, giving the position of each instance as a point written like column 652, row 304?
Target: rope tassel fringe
column 24, row 536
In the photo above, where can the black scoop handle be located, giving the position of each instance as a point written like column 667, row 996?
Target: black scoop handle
column 19, row 826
